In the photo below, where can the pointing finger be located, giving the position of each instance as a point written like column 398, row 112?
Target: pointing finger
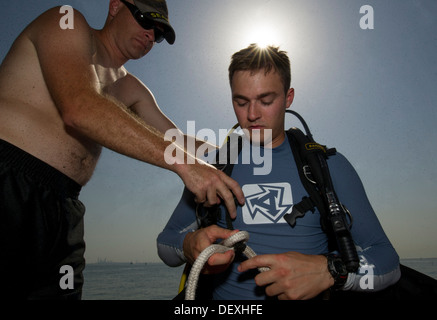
column 256, row 262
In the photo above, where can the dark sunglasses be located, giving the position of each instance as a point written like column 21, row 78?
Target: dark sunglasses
column 144, row 22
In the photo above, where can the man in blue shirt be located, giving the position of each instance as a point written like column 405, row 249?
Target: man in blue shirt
column 296, row 257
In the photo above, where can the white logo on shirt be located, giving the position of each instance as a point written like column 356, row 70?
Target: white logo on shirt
column 267, row 203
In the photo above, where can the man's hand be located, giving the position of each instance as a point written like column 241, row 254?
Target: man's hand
column 195, row 242
column 211, row 186
column 292, row 275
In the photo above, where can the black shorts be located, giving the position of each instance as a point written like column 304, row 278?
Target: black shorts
column 41, row 229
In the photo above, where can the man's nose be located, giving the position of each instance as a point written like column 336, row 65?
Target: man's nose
column 149, row 34
column 253, row 112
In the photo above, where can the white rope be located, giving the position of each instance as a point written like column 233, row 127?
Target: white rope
column 225, row 245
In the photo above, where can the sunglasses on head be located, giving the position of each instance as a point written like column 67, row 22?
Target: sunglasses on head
column 145, row 22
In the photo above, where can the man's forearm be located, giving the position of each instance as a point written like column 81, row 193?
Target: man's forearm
column 113, row 126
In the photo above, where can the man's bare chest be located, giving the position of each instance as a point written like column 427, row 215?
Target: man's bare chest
column 114, row 83
column 109, row 77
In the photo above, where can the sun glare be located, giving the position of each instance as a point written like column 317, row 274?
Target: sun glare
column 264, row 35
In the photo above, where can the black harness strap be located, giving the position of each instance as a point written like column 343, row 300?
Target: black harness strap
column 300, row 145
column 314, row 173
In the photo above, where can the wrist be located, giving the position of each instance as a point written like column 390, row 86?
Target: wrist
column 337, row 269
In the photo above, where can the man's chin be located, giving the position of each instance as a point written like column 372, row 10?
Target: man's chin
column 259, row 137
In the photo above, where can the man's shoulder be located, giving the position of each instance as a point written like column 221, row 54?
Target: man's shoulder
column 53, row 32
column 56, row 20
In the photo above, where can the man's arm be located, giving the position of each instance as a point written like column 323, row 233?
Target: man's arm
column 65, row 57
column 377, row 255
column 144, row 105
column 66, row 61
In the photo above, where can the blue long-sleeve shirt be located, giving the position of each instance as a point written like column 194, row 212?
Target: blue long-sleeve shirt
column 268, row 198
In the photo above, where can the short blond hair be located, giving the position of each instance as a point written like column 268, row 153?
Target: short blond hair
column 254, row 58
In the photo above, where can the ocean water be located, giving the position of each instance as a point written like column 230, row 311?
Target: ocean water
column 126, row 281
column 426, row 266
column 156, row 281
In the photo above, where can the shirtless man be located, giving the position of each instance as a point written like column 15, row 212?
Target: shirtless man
column 63, row 95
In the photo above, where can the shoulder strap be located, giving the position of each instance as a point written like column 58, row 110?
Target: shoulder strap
column 314, row 173
column 310, row 175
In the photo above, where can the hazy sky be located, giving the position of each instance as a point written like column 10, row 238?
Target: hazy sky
column 369, row 93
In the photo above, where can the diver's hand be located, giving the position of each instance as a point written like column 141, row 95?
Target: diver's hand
column 292, row 275
column 195, row 242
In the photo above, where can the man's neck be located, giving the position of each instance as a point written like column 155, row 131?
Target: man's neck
column 107, row 52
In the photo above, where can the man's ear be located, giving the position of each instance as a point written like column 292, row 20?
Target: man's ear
column 289, row 98
column 114, row 7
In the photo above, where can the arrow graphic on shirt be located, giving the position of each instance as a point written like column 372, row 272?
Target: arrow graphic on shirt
column 268, row 202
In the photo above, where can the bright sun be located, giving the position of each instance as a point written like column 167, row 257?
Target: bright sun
column 263, row 35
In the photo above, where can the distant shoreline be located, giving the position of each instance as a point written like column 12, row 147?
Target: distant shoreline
column 159, row 262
